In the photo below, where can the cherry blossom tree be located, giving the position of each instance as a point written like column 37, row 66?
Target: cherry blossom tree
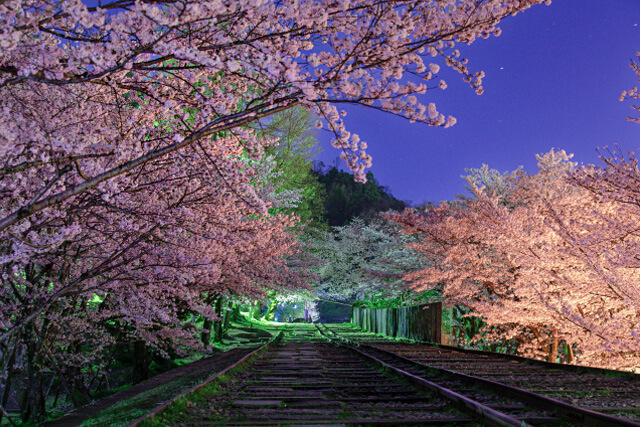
column 360, row 258
column 544, row 271
column 633, row 93
column 492, row 181
column 611, row 249
column 126, row 201
column 130, row 265
column 165, row 246
column 94, row 95
column 210, row 67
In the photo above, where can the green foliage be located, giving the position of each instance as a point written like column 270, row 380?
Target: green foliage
column 256, row 311
column 181, row 407
column 327, row 195
column 388, row 299
column 297, row 146
column 465, row 328
column 347, row 199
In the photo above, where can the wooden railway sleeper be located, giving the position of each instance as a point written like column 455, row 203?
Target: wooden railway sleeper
column 572, row 413
column 163, row 405
column 490, row 416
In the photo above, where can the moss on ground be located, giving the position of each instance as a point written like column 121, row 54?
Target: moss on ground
column 238, row 336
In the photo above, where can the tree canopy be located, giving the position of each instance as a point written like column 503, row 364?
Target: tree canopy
column 134, row 187
column 553, row 268
column 347, row 199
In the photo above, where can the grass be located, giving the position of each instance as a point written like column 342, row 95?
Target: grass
column 179, row 410
column 143, row 403
column 137, row 406
column 176, row 412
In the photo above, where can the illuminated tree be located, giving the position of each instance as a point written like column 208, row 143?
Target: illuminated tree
column 358, row 259
column 126, row 199
column 633, row 93
column 290, row 163
column 554, row 267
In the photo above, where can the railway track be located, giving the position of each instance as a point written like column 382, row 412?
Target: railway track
column 308, row 380
column 311, row 377
column 557, row 393
column 320, row 375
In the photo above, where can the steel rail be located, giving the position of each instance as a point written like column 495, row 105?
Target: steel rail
column 212, row 378
column 585, row 417
column 550, row 365
column 490, row 416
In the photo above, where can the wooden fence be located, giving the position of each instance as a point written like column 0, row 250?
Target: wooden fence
column 418, row 322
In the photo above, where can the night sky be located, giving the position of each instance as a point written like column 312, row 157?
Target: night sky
column 553, row 79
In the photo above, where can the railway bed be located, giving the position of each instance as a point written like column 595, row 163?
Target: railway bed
column 305, row 379
column 319, row 375
column 583, row 396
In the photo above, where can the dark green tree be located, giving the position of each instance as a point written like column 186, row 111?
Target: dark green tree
column 347, row 199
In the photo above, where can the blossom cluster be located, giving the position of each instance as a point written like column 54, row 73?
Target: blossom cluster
column 127, row 195
column 547, row 260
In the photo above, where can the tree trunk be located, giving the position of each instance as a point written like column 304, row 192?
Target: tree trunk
column 257, row 310
column 217, row 337
column 235, row 311
column 273, row 306
column 55, row 399
column 553, row 346
column 65, row 383
column 7, row 386
column 206, row 334
column 570, row 355
column 141, row 361
column 228, row 314
column 33, row 403
column 41, row 401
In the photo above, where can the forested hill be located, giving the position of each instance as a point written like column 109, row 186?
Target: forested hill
column 347, row 199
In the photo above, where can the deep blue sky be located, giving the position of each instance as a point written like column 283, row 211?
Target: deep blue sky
column 553, row 79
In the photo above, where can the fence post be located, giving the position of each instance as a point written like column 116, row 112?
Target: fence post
column 437, row 321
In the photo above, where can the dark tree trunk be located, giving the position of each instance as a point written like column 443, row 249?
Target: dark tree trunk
column 140, row 361
column 228, row 314
column 206, row 334
column 553, row 346
column 7, row 385
column 217, row 337
column 235, row 312
column 33, row 402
